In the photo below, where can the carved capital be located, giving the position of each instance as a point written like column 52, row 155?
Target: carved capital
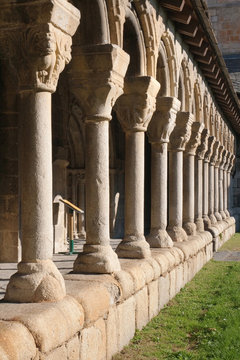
column 163, row 120
column 182, row 131
column 232, row 162
column 228, row 160
column 209, row 151
column 136, row 106
column 39, row 52
column 202, row 148
column 214, row 156
column 223, row 159
column 98, row 79
column 219, row 158
column 195, row 138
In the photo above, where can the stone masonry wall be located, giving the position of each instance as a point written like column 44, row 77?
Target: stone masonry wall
column 100, row 313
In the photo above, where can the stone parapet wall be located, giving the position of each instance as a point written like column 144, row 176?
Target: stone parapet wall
column 100, row 313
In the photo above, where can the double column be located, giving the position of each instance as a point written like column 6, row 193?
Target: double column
column 212, row 183
column 178, row 140
column 159, row 131
column 134, row 111
column 216, row 184
column 97, row 95
column 208, row 154
column 189, row 179
column 200, row 153
column 39, row 53
column 222, row 184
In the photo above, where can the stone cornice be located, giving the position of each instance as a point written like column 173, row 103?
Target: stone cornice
column 136, row 106
column 163, row 120
column 182, row 131
column 98, row 79
column 195, row 139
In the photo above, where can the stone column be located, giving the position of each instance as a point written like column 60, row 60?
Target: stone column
column 97, row 95
column 40, row 46
column 178, row 140
column 81, row 232
column 134, row 111
column 207, row 221
column 216, row 184
column 212, row 190
column 188, row 179
column 200, row 153
column 221, row 187
column 225, row 184
column 230, row 195
column 159, row 130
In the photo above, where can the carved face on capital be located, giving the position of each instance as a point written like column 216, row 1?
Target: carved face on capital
column 44, row 43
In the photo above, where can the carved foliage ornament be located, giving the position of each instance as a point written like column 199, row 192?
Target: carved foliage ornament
column 202, row 148
column 39, row 54
column 195, row 139
column 215, row 153
column 182, row 131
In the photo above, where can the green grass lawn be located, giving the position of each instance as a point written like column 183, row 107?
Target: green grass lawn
column 202, row 322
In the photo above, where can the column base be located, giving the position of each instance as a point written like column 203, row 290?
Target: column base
column 200, row 224
column 207, row 222
column 96, row 259
column 223, row 215
column 227, row 213
column 159, row 239
column 213, row 219
column 190, row 228
column 36, row 282
column 218, row 216
column 177, row 234
column 133, row 247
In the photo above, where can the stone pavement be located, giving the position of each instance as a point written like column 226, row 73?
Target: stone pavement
column 64, row 262
column 227, row 256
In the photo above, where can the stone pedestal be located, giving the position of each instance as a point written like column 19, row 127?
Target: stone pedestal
column 188, row 179
column 45, row 49
column 159, row 130
column 200, row 153
column 134, row 111
column 178, row 140
column 97, row 95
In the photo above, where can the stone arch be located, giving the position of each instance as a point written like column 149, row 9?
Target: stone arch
column 150, row 28
column 133, row 44
column 163, row 75
column 181, row 90
column 94, row 26
column 172, row 64
column 187, row 86
column 198, row 102
column 211, row 119
column 116, row 19
column 206, row 111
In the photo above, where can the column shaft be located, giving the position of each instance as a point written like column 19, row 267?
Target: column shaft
column 199, row 194
column 206, row 219
column 211, row 194
column 188, row 194
column 216, row 194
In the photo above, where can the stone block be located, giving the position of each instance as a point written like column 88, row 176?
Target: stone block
column 126, row 283
column 185, row 272
column 172, row 281
column 137, row 274
column 57, row 354
column 142, row 305
column 147, row 269
column 51, row 324
column 179, row 277
column 156, row 267
column 112, row 332
column 93, row 342
column 164, row 286
column 161, row 259
column 93, row 297
column 16, row 342
column 73, row 348
column 153, row 299
column 126, row 322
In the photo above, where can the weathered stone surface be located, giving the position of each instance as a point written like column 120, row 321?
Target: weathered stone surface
column 142, row 306
column 164, row 288
column 93, row 341
column 94, row 298
column 73, row 348
column 153, row 297
column 126, row 282
column 16, row 342
column 51, row 324
column 126, row 321
column 112, row 333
